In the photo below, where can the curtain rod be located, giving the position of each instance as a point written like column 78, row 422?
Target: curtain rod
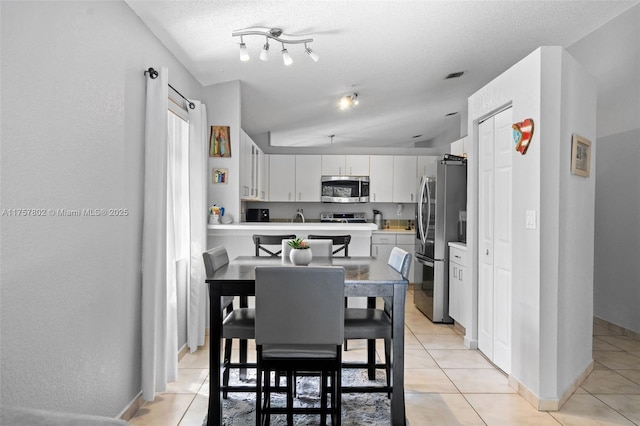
column 154, row 74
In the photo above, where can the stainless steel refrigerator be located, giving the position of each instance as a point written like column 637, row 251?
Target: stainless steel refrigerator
column 442, row 198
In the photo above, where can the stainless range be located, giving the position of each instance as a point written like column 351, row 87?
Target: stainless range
column 343, row 217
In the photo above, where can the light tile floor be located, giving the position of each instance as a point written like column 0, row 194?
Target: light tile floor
column 448, row 384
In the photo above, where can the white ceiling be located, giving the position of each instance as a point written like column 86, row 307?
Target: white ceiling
column 395, row 54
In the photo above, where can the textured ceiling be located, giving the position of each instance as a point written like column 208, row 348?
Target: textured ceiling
column 395, row 54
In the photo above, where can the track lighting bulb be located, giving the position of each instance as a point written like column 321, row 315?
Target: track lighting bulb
column 286, row 58
column 311, row 53
column 244, row 53
column 348, row 101
column 264, row 55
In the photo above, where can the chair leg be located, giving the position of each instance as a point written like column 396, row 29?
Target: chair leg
column 289, row 397
column 258, row 396
column 337, row 391
column 243, row 358
column 323, row 398
column 267, row 398
column 387, row 364
column 228, row 344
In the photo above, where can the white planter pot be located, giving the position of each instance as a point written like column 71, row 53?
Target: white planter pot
column 300, row 257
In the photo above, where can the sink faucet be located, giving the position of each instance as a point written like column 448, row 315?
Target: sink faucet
column 295, row 216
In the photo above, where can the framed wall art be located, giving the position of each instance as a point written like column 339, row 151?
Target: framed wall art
column 580, row 156
column 220, row 142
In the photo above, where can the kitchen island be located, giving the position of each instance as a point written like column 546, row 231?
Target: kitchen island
column 237, row 237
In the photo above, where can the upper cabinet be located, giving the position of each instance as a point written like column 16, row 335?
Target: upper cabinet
column 459, row 147
column 405, row 176
column 308, row 178
column 427, row 166
column 351, row 165
column 381, row 178
column 294, row 178
column 253, row 174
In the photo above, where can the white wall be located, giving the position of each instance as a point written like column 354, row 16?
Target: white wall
column 612, row 55
column 543, row 86
column 73, row 96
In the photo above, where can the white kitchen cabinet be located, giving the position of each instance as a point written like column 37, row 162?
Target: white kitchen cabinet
column 351, row 165
column 282, row 177
column 383, row 242
column 459, row 147
column 263, row 176
column 405, row 180
column 459, row 283
column 252, row 169
column 381, row 178
column 308, row 176
column 427, row 166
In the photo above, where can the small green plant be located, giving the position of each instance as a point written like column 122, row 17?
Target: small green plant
column 298, row 244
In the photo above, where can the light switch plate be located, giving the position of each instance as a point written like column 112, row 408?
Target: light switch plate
column 530, row 219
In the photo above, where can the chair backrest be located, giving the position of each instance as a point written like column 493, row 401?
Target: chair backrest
column 400, row 260
column 320, row 248
column 342, row 241
column 299, row 305
column 215, row 259
column 270, row 240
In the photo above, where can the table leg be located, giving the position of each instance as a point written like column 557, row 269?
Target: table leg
column 371, row 345
column 397, row 355
column 214, row 417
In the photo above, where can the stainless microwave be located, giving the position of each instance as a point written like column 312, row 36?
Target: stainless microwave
column 345, row 189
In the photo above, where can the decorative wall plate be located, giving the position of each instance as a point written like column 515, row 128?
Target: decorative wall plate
column 522, row 134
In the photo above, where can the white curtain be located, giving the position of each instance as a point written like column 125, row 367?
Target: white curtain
column 197, row 288
column 159, row 302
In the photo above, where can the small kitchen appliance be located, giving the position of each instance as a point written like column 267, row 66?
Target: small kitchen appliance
column 344, row 189
column 377, row 218
column 257, row 215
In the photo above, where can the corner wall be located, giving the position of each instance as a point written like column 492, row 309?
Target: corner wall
column 548, row 298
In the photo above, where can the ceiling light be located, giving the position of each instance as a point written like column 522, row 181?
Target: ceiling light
column 286, row 58
column 244, row 53
column 348, row 101
column 264, row 55
column 311, row 53
column 277, row 35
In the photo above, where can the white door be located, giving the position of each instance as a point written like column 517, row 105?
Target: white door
column 495, row 146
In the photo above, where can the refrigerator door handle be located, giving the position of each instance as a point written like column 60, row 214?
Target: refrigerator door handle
column 423, row 235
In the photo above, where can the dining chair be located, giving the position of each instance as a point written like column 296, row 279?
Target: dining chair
column 260, row 241
column 237, row 324
column 372, row 323
column 342, row 241
column 299, row 327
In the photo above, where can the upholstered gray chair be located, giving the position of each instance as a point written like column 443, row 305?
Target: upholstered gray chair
column 372, row 323
column 299, row 327
column 237, row 324
column 341, row 241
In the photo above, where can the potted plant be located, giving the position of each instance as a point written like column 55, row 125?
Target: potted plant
column 300, row 252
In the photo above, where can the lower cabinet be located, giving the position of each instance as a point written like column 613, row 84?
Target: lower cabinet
column 458, row 283
column 383, row 242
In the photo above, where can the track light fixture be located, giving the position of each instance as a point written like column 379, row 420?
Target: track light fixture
column 348, row 101
column 274, row 34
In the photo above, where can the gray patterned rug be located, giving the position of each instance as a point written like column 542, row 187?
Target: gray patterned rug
column 357, row 409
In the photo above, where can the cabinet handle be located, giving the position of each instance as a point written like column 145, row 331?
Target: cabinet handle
column 289, row 198
column 454, row 272
column 412, row 196
column 299, row 196
column 460, row 275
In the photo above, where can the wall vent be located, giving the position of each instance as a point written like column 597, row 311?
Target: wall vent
column 454, row 75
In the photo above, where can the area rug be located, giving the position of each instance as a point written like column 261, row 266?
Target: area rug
column 358, row 409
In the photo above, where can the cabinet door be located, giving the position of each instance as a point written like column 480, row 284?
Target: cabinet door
column 282, row 177
column 308, row 178
column 333, row 165
column 405, row 181
column 263, row 176
column 381, row 178
column 245, row 166
column 357, row 165
column 459, row 147
column 427, row 166
column 453, row 291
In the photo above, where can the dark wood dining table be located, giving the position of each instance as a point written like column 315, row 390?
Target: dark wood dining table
column 364, row 277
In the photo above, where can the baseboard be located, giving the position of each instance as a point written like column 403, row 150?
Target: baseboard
column 617, row 328
column 549, row 404
column 131, row 409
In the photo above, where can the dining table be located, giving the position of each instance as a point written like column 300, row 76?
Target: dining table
column 364, row 277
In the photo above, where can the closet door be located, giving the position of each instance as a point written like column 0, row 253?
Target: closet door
column 495, row 238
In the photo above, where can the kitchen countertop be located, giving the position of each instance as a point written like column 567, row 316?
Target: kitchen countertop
column 284, row 226
column 458, row 244
column 395, row 231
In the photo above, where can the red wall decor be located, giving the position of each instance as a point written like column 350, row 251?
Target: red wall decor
column 522, row 134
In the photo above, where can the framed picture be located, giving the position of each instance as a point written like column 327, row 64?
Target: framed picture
column 219, row 175
column 220, row 142
column 580, row 156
